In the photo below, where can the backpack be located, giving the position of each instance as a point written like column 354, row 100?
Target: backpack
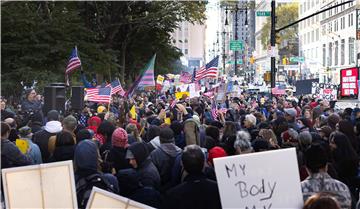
column 85, row 185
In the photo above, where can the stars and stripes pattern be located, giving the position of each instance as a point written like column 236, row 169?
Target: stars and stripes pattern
column 185, row 77
column 173, row 103
column 116, row 87
column 214, row 112
column 74, row 62
column 101, row 95
column 210, row 70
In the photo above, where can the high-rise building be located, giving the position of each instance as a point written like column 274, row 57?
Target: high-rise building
column 328, row 40
column 190, row 39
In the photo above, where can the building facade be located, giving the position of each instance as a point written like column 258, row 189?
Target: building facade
column 190, row 39
column 328, row 40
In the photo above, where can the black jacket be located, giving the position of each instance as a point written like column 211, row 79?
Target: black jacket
column 117, row 158
column 41, row 138
column 196, row 192
column 63, row 153
column 11, row 156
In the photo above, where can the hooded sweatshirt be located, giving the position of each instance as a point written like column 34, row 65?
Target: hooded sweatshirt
column 148, row 173
column 41, row 138
column 85, row 158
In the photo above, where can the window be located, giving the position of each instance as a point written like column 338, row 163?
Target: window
column 301, row 8
column 351, row 20
column 312, row 36
column 330, row 27
column 351, row 51
column 336, row 25
column 330, row 54
column 324, row 55
column 317, row 35
column 186, row 40
column 342, row 51
column 342, row 21
column 308, row 37
column 186, row 51
column 336, row 53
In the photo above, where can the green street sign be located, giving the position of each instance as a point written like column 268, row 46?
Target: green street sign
column 238, row 62
column 263, row 13
column 297, row 59
column 236, row 45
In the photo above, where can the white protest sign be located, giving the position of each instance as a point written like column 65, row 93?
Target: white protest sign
column 100, row 198
column 193, row 92
column 50, row 185
column 259, row 180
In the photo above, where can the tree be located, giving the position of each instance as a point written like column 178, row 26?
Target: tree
column 285, row 14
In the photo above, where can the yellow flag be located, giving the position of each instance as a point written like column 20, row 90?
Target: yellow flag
column 23, row 145
column 167, row 121
column 133, row 112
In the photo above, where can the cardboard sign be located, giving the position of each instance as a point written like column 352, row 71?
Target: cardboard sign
column 179, row 95
column 349, row 81
column 160, row 79
column 193, row 92
column 258, row 180
column 50, row 185
column 23, row 145
column 325, row 91
column 103, row 199
column 303, row 87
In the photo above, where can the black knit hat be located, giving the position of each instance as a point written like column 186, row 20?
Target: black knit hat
column 166, row 135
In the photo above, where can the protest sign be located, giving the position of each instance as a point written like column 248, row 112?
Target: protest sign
column 160, row 79
column 326, row 91
column 103, row 199
column 193, row 92
column 23, row 145
column 50, row 185
column 304, row 87
column 349, row 81
column 258, row 180
column 179, row 95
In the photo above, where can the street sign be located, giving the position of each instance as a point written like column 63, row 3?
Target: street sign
column 236, row 45
column 238, row 62
column 297, row 59
column 263, row 13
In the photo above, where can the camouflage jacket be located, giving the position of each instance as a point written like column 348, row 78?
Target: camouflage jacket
column 322, row 182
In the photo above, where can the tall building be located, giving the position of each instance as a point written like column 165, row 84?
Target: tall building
column 328, row 40
column 190, row 39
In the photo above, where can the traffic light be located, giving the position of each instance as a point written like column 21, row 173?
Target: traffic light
column 285, row 61
column 267, row 76
column 252, row 60
column 277, row 38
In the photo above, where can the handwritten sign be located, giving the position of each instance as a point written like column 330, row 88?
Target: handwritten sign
column 326, row 91
column 259, row 180
column 103, row 199
column 50, row 185
column 160, row 79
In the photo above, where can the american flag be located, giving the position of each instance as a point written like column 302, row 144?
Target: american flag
column 116, row 87
column 210, row 70
column 214, row 113
column 74, row 61
column 101, row 95
column 185, row 77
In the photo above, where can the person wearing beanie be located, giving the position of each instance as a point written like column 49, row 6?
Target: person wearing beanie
column 82, row 135
column 290, row 116
column 139, row 159
column 164, row 156
column 117, row 154
column 196, row 191
column 51, row 128
column 33, row 152
column 319, row 180
column 215, row 152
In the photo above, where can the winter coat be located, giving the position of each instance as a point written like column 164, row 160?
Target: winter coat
column 163, row 158
column 196, row 192
column 148, row 173
column 11, row 156
column 63, row 153
column 42, row 137
column 117, row 158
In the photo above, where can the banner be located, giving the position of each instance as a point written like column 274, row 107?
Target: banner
column 179, row 95
column 349, row 81
column 304, row 87
column 244, row 184
column 325, row 91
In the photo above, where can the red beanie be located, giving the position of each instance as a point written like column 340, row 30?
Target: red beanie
column 216, row 152
column 120, row 138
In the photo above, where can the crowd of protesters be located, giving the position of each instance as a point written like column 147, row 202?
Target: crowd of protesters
column 162, row 156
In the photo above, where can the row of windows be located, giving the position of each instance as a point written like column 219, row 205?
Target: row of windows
column 338, row 24
column 331, row 56
column 310, row 37
column 313, row 20
column 331, row 52
column 309, row 4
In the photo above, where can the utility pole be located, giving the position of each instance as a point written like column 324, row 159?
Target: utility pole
column 272, row 43
column 236, row 37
